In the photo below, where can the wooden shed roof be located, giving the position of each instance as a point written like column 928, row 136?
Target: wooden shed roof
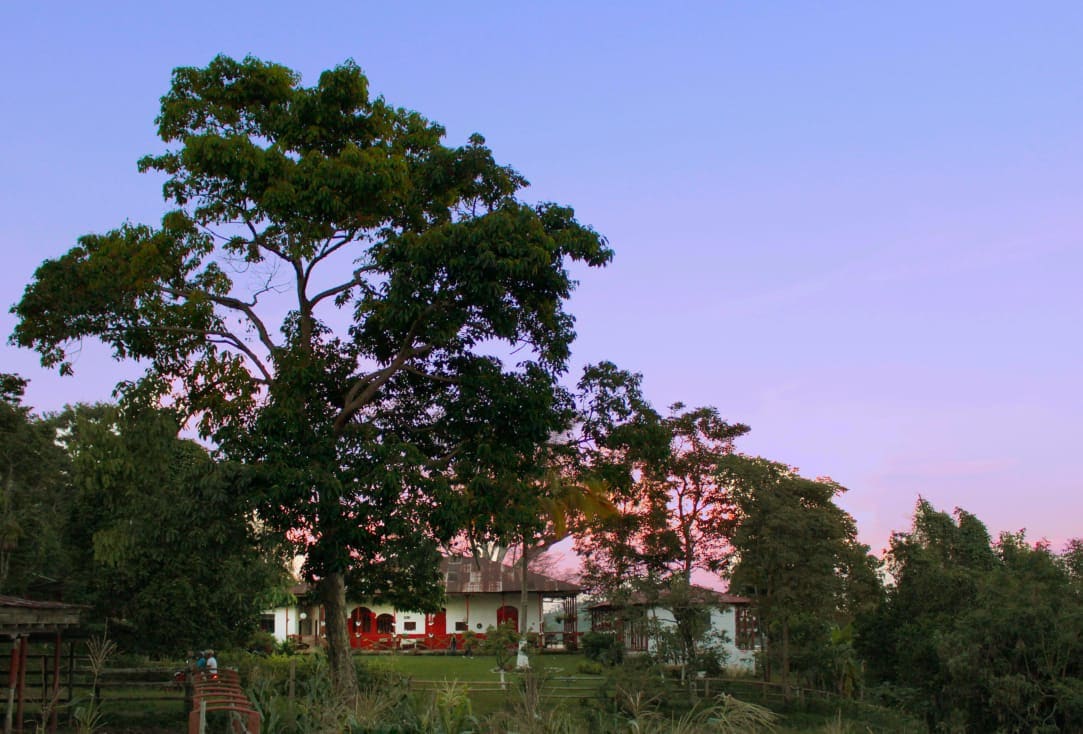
column 20, row 616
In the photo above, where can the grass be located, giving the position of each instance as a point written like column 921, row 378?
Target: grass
column 477, row 668
column 482, row 670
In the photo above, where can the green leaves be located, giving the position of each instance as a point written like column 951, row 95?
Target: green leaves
column 990, row 634
column 326, row 299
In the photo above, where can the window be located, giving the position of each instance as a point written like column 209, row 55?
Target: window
column 409, row 626
column 385, row 624
column 745, row 623
column 267, row 623
column 460, row 626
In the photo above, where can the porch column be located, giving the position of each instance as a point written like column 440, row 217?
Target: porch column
column 57, row 642
column 24, row 649
column 13, row 677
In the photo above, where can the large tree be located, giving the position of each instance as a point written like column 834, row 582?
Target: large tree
column 795, row 551
column 673, row 515
column 334, row 294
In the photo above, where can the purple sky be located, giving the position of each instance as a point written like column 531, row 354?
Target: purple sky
column 854, row 227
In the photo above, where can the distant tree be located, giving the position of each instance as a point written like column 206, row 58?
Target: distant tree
column 977, row 635
column 164, row 538
column 673, row 516
column 332, row 296
column 33, row 482
column 794, row 549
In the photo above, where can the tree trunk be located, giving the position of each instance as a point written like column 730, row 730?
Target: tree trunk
column 524, row 595
column 786, row 658
column 339, row 660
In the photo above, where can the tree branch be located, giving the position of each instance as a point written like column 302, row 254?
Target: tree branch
column 429, row 375
column 229, row 337
column 342, row 287
column 365, row 388
column 229, row 302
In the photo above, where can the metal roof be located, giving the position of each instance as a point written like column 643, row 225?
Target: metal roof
column 698, row 593
column 470, row 575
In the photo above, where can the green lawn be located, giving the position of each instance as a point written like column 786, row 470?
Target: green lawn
column 476, row 668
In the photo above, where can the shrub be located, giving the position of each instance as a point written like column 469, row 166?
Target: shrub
column 262, row 643
column 501, row 642
column 590, row 668
column 603, row 648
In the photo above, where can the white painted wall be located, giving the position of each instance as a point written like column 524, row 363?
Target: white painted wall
column 724, row 621
column 478, row 611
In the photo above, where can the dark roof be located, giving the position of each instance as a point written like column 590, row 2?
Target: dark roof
column 469, row 575
column 699, row 593
column 26, row 616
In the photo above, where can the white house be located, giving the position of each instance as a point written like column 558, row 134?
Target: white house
column 731, row 617
column 479, row 594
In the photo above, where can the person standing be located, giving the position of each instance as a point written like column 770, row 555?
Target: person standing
column 212, row 664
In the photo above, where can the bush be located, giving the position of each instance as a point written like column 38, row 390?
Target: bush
column 590, row 668
column 502, row 643
column 261, row 643
column 602, row 647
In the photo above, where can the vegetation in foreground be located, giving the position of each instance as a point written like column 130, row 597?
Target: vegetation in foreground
column 632, row 697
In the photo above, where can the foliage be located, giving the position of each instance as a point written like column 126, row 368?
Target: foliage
column 261, row 642
column 501, row 642
column 329, row 297
column 796, row 555
column 976, row 634
column 640, row 711
column 88, row 712
column 162, row 537
column 602, row 647
column 673, row 517
column 687, row 637
column 33, row 490
column 294, row 695
column 590, row 668
column 448, row 711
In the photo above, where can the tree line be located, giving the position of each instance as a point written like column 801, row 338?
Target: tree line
column 368, row 327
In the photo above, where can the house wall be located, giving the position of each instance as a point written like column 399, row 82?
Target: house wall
column 477, row 611
column 723, row 621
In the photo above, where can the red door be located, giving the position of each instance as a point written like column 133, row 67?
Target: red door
column 506, row 614
column 362, row 626
column 436, row 629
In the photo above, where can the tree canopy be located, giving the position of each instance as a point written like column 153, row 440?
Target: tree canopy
column 334, row 295
column 979, row 634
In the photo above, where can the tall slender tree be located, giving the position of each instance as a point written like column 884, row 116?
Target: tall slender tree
column 331, row 295
column 794, row 548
